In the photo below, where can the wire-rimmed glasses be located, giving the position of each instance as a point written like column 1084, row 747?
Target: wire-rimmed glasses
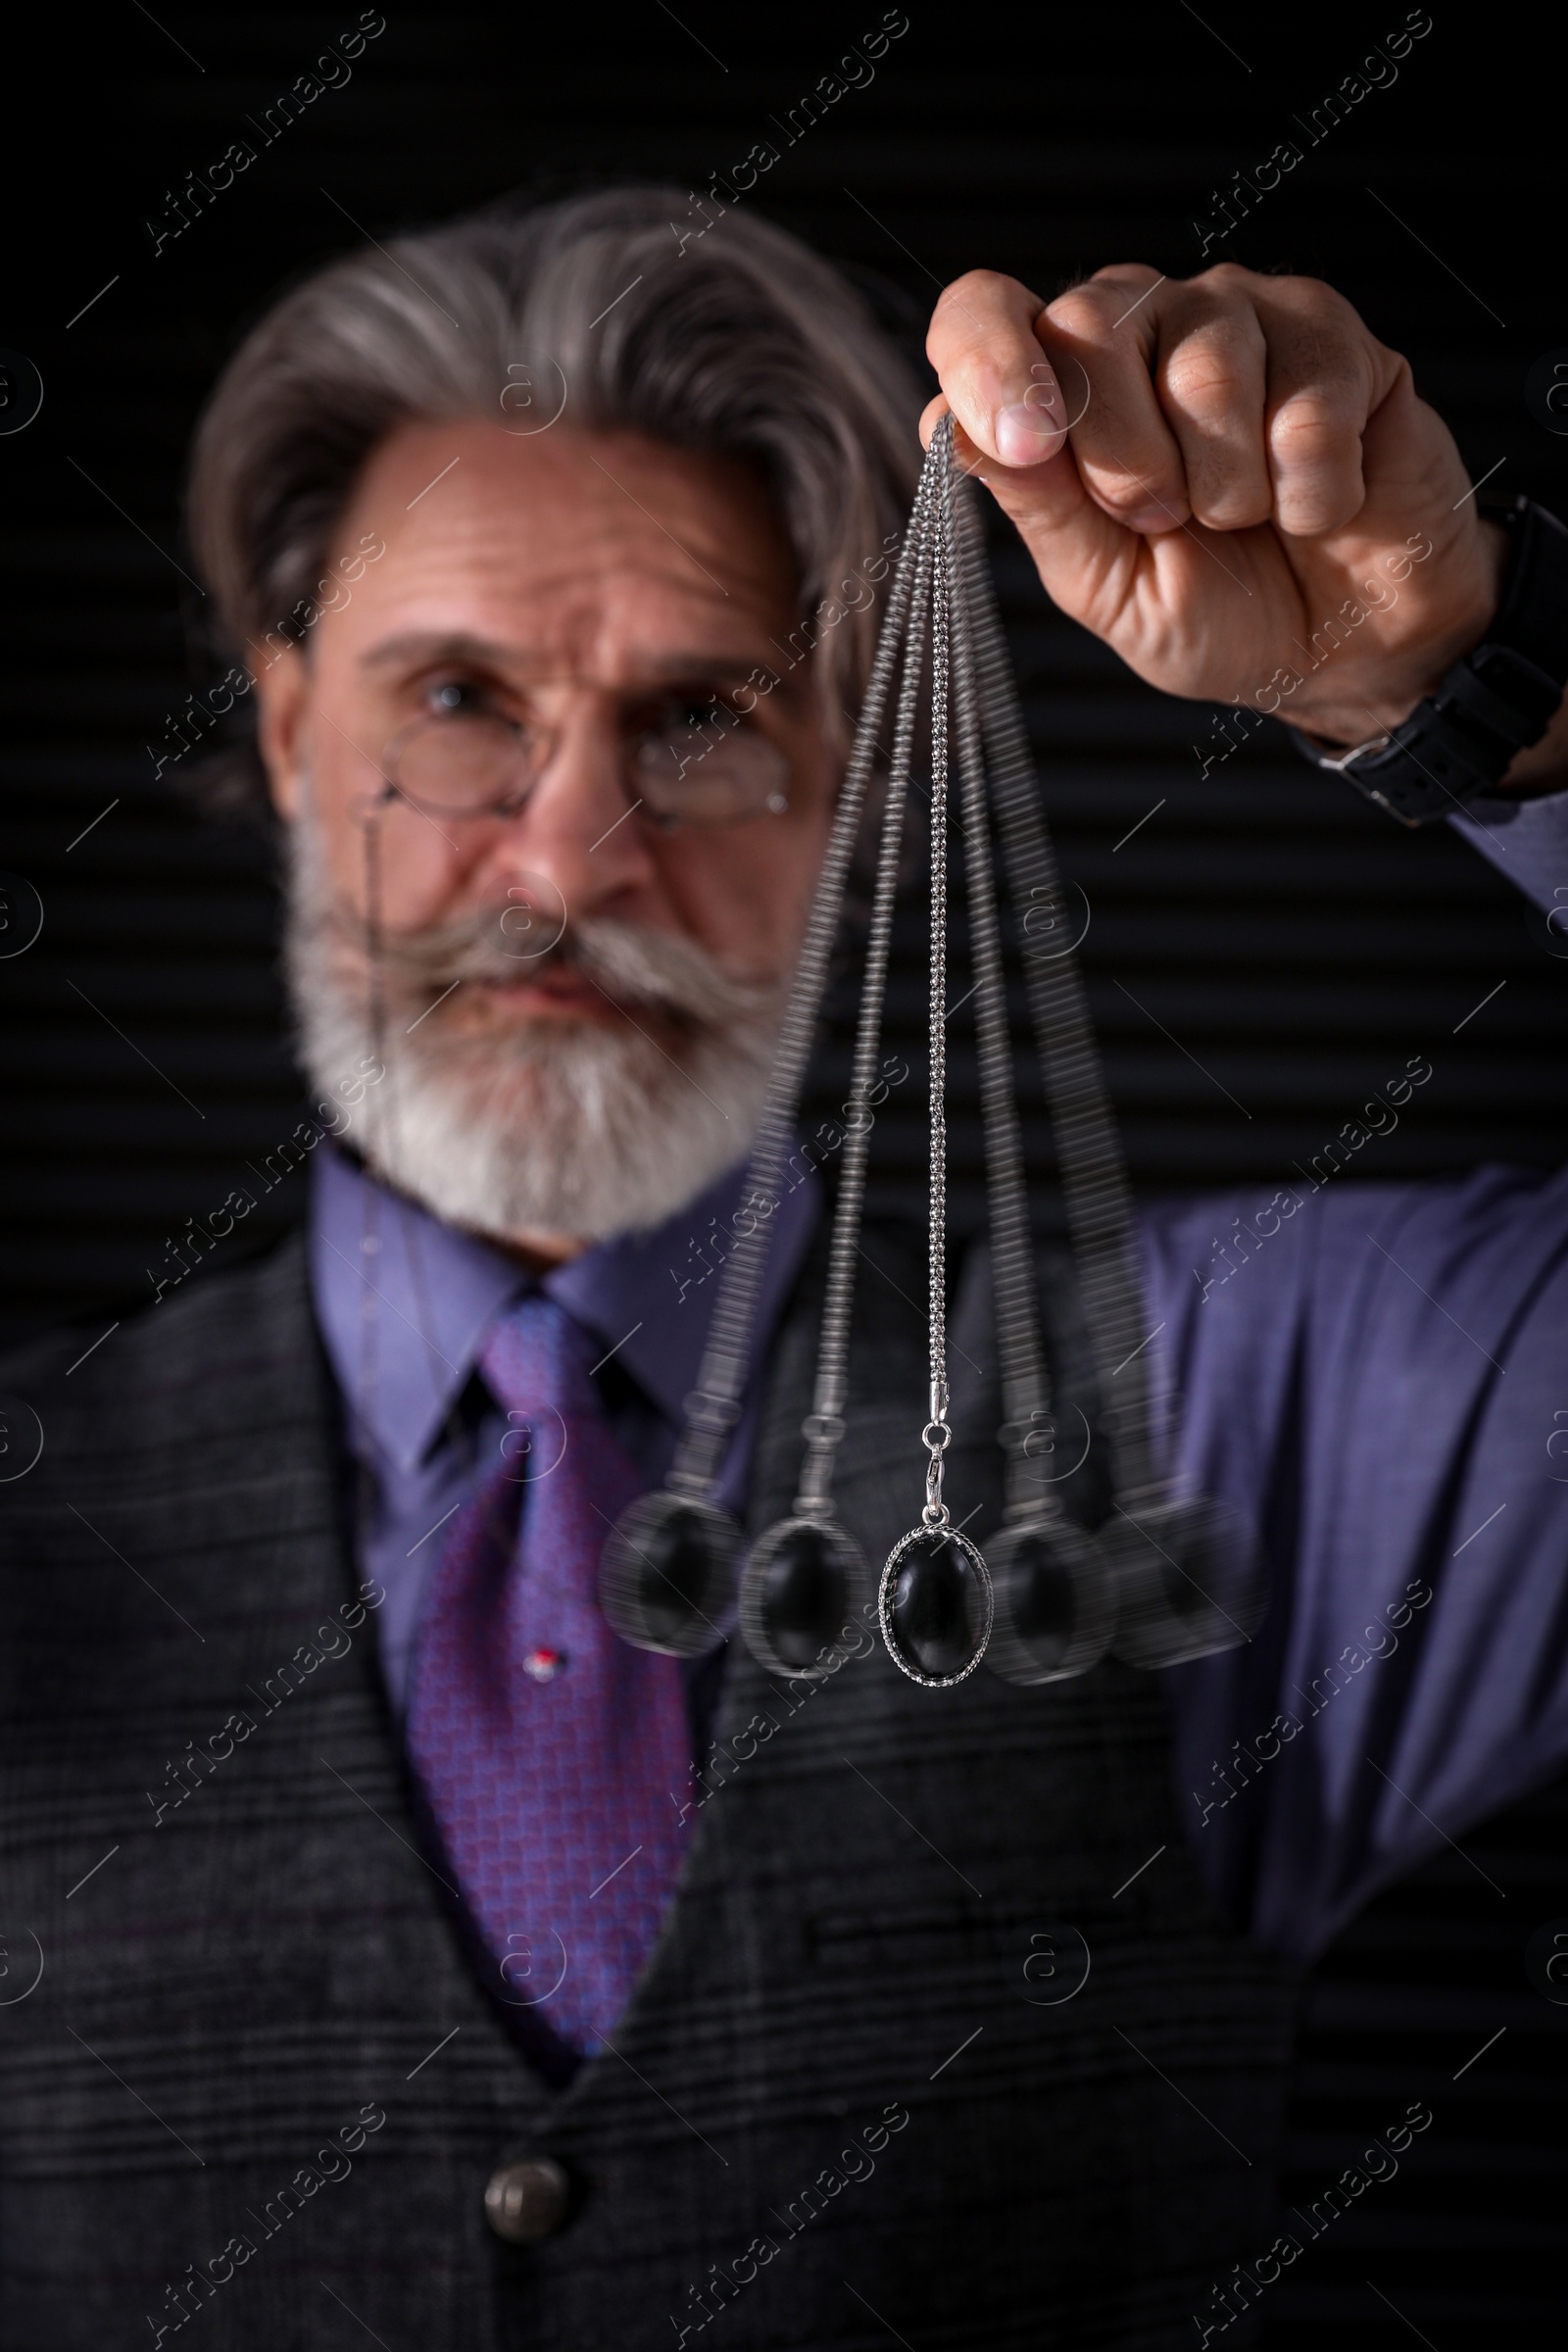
column 694, row 762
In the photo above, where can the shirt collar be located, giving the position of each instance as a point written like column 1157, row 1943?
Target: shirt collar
column 404, row 1318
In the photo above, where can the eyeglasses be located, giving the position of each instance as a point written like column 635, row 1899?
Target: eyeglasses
column 695, row 763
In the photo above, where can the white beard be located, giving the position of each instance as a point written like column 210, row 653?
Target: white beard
column 527, row 1125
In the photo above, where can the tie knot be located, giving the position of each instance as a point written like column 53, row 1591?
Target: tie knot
column 536, row 1361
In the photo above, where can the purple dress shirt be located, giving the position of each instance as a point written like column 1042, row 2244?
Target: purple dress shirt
column 405, row 1303
column 1377, row 1374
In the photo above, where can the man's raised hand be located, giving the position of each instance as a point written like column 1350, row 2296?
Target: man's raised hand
column 1229, row 480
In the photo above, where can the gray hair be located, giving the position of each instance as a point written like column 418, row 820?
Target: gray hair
column 736, row 340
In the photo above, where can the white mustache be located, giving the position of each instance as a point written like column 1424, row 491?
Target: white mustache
column 520, row 1124
column 635, row 966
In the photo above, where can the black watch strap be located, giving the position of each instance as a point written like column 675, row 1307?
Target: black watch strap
column 1496, row 699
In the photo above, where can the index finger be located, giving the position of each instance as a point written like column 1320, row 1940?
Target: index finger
column 1000, row 384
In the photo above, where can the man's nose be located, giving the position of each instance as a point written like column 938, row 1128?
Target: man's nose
column 577, row 830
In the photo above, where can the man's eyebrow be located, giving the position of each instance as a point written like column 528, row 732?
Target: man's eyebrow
column 421, row 645
column 427, row 645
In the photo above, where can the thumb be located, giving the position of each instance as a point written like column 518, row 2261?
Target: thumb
column 1075, row 545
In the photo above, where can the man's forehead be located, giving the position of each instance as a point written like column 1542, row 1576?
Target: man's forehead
column 552, row 548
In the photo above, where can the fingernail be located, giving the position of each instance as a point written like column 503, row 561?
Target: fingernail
column 1154, row 518
column 1025, row 435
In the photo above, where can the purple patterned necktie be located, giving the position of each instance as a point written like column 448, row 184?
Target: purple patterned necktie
column 548, row 1749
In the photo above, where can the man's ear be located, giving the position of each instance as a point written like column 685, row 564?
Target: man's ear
column 282, row 695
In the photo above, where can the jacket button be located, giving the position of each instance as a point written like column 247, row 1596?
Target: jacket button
column 527, row 2200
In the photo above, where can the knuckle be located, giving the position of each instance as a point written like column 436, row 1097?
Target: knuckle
column 1312, row 428
column 989, row 290
column 1131, row 493
column 1306, row 296
column 1227, row 278
column 1206, row 379
column 1232, row 506
column 1117, row 276
column 975, row 309
column 1316, row 293
column 1315, row 317
column 1307, row 517
column 1085, row 312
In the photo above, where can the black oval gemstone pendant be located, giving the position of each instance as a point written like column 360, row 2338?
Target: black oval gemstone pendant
column 934, row 1605
column 803, row 1585
column 1056, row 1601
column 668, row 1578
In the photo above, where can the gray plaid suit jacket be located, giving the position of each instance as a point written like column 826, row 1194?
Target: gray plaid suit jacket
column 252, row 2084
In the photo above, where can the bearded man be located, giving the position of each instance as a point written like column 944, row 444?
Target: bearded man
column 394, row 1973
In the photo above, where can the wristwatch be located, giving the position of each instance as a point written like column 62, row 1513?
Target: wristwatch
column 1496, row 700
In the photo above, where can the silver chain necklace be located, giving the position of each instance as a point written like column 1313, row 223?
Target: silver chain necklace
column 669, row 1571
column 1168, row 1577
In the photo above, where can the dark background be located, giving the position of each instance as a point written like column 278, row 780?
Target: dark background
column 1288, row 948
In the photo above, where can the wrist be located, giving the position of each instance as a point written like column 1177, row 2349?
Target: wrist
column 1541, row 768
column 1391, row 694
column 1494, row 721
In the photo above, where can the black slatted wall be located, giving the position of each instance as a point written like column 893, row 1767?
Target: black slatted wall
column 1262, row 951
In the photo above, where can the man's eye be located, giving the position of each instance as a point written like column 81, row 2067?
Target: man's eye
column 706, row 716
column 454, row 698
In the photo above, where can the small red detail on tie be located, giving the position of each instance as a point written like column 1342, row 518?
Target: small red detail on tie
column 543, row 1665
